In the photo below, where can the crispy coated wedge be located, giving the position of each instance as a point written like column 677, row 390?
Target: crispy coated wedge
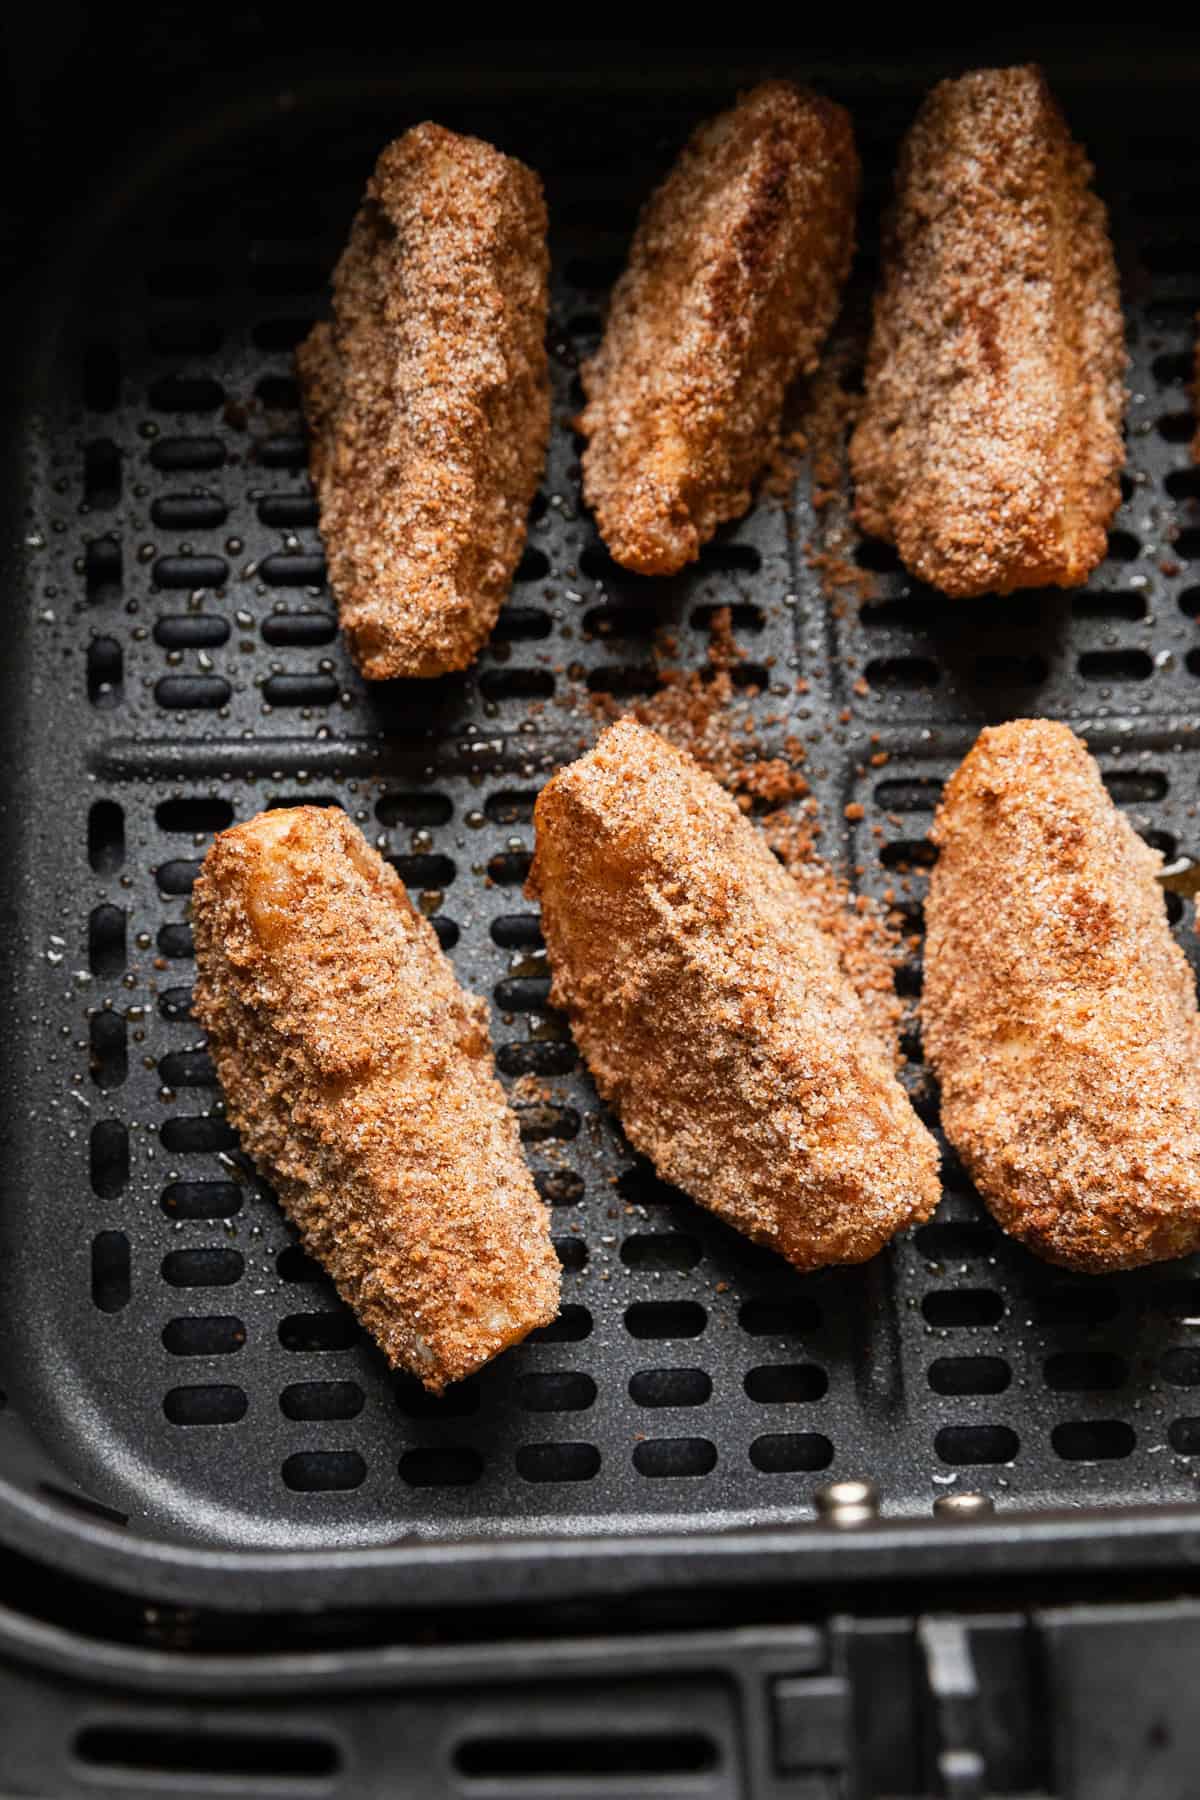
column 989, row 450
column 359, row 1076
column 428, row 400
column 713, row 1013
column 1059, row 1013
column 735, row 275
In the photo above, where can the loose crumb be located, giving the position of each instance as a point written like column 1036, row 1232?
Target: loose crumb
column 829, row 411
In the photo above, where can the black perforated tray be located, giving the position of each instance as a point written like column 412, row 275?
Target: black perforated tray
column 184, row 1392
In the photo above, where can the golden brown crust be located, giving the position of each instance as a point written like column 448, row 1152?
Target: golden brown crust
column 428, row 400
column 359, row 1076
column 988, row 450
column 712, row 1012
column 1059, row 1013
column 734, row 277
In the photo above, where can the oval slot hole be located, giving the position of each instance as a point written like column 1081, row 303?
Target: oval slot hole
column 213, row 1335
column 666, row 1458
column 443, row 1465
column 664, row 1319
column 963, row 1307
column 785, row 1384
column 976, row 1444
column 670, row 1387
column 110, row 1271
column 791, row 1452
column 220, row 1404
column 108, row 1158
column 955, row 1375
column 109, row 1059
column 308, row 1400
column 324, row 1471
column 557, row 1390
column 557, row 1462
column 1093, row 1440
column 318, row 1331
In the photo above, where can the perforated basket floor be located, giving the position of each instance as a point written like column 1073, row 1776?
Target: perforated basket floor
column 170, row 1358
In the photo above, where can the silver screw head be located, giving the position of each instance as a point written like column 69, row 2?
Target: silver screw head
column 964, row 1506
column 848, row 1502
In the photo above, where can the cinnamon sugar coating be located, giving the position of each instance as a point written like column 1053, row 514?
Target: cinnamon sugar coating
column 359, row 1077
column 712, row 1012
column 428, row 400
column 1059, row 1013
column 734, row 277
column 988, row 449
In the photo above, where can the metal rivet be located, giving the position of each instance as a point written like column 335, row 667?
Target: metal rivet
column 848, row 1502
column 963, row 1506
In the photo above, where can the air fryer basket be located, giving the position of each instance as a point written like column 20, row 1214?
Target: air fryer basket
column 184, row 1391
